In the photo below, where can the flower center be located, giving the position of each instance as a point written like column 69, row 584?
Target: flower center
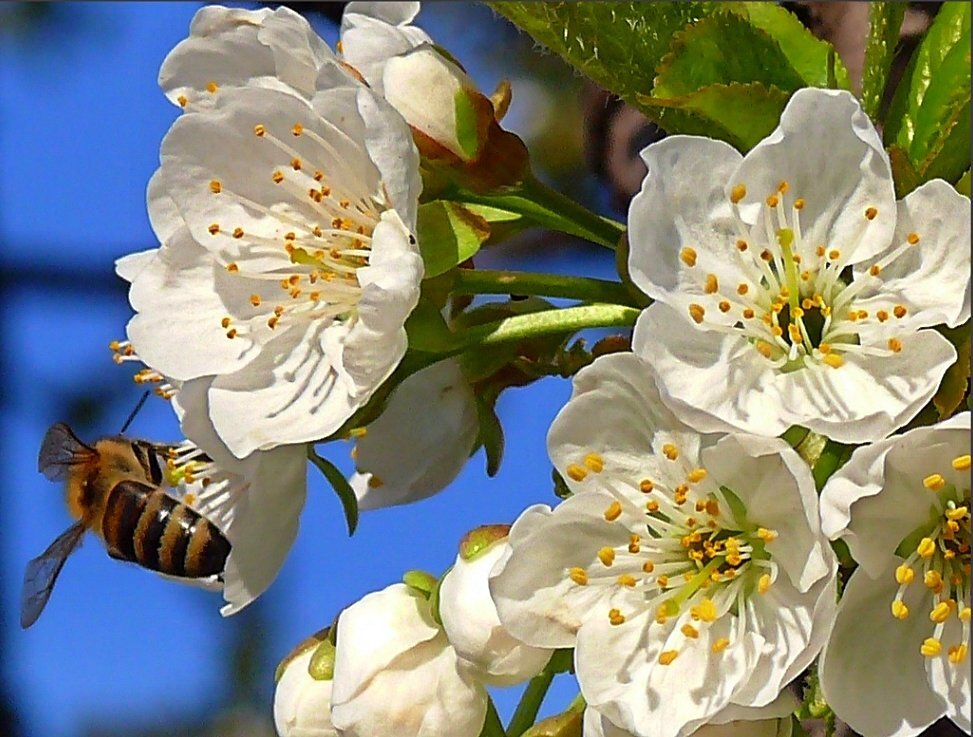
column 321, row 237
column 937, row 554
column 691, row 552
column 794, row 304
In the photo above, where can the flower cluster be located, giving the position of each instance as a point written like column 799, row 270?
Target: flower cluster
column 780, row 399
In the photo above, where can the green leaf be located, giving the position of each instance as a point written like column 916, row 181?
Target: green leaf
column 491, row 434
column 346, row 495
column 904, row 174
column 740, row 114
column 448, row 235
column 884, row 22
column 616, row 44
column 807, row 54
column 927, row 110
column 956, row 381
column 427, row 329
column 708, row 52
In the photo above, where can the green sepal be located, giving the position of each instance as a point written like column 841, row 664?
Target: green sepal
column 421, row 581
column 308, row 643
column 321, row 667
column 346, row 495
column 491, row 436
column 884, row 23
column 427, row 330
column 467, row 124
column 480, row 539
column 449, row 234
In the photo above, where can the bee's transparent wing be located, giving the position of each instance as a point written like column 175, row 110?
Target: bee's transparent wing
column 42, row 572
column 60, row 450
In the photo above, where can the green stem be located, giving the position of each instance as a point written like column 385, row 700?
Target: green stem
column 581, row 288
column 547, row 322
column 492, row 727
column 547, row 207
column 530, row 703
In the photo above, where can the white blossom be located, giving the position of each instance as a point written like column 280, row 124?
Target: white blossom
column 898, row 658
column 286, row 205
column 420, row 442
column 470, row 618
column 689, row 575
column 790, row 287
column 396, row 674
column 302, row 699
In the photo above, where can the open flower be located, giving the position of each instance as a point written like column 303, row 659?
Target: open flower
column 898, row 658
column 470, row 617
column 395, row 467
column 396, row 674
column 288, row 264
column 791, row 288
column 689, row 578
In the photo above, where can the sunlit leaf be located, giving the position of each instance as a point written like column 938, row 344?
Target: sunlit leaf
column 884, row 22
column 448, row 235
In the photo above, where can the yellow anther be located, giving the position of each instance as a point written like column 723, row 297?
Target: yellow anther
column 926, row 548
column 652, row 506
column 768, row 536
column 904, row 575
column 900, row 610
column 799, row 203
column 606, row 555
column 648, row 566
column 931, row 647
column 297, row 129
column 933, row 580
column 296, row 164
column 255, row 300
column 215, row 187
column 667, row 656
column 940, row 612
column 214, row 229
column 646, row 486
column 374, row 482
column 238, row 233
column 870, row 213
column 958, row 513
column 704, row 611
column 766, row 255
column 670, row 451
column 964, row 614
column 912, row 238
column 712, row 285
column 834, row 254
column 272, row 322
column 578, row 575
column 958, row 653
column 689, row 631
column 277, row 177
column 833, row 360
column 616, row 617
column 232, row 267
column 626, row 579
column 231, row 334
column 742, row 245
column 895, row 345
column 225, row 322
column 688, row 256
column 318, row 175
column 576, row 472
column 961, row 463
column 783, row 185
column 934, row 482
column 720, row 645
column 742, row 289
column 696, row 475
column 613, row 512
column 211, row 87
column 764, row 348
column 662, row 581
column 260, row 130
column 773, row 200
column 899, row 311
column 594, row 462
column 737, row 193
column 763, row 583
column 182, row 100
column 358, row 432
column 634, row 543
column 875, row 270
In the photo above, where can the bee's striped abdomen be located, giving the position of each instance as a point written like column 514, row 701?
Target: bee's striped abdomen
column 145, row 525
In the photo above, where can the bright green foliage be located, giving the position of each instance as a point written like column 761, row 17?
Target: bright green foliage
column 724, row 70
column 963, row 185
column 346, row 495
column 884, row 22
column 448, row 235
column 929, row 119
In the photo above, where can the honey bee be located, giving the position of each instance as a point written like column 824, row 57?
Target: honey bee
column 113, row 489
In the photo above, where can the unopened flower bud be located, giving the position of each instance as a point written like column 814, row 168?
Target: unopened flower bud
column 470, row 618
column 302, row 701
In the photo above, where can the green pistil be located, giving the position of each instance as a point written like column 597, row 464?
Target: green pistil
column 672, row 607
column 785, row 236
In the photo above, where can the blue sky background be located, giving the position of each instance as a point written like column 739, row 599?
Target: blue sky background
column 81, row 119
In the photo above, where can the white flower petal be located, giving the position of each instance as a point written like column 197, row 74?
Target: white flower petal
column 438, row 406
column 373, row 32
column 682, row 203
column 932, row 278
column 871, row 671
column 130, row 266
column 302, row 705
column 297, row 49
column 830, row 154
column 952, row 681
column 712, row 381
column 164, row 216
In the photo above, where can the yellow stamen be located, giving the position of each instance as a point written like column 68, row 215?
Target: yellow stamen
column 688, row 256
column 934, row 482
column 900, row 610
column 738, row 192
column 607, row 556
column 720, row 645
column 613, row 512
column 931, row 647
column 697, row 312
column 579, row 576
column 961, row 463
column 616, row 617
column 667, row 656
column 576, row 472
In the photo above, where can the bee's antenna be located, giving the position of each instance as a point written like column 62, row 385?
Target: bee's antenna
column 134, row 412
